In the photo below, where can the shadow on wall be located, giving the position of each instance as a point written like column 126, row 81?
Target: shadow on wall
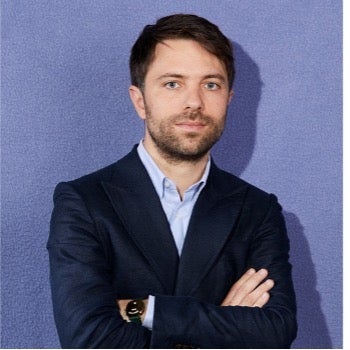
column 233, row 153
column 312, row 328
column 236, row 146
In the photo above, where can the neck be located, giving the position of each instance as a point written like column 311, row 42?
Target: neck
column 182, row 172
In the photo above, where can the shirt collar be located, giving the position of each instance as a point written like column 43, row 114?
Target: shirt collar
column 159, row 179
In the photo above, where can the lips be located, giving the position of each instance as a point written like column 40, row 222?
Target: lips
column 192, row 122
column 191, row 125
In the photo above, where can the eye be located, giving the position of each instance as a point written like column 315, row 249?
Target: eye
column 212, row 86
column 172, row 85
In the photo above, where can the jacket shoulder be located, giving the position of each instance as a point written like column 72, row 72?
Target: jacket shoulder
column 228, row 183
column 91, row 179
column 92, row 182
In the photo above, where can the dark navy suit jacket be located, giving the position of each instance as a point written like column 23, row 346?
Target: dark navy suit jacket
column 110, row 239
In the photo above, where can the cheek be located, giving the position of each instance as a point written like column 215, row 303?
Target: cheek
column 218, row 102
column 162, row 108
column 217, row 109
column 152, row 99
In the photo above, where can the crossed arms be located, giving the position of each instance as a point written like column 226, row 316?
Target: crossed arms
column 250, row 290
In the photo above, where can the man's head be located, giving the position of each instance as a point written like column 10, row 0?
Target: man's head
column 182, row 73
column 179, row 26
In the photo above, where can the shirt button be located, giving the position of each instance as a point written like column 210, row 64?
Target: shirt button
column 167, row 184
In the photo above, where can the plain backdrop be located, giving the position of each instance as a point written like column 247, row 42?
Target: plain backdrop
column 66, row 112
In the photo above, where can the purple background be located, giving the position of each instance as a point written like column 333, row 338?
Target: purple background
column 66, row 112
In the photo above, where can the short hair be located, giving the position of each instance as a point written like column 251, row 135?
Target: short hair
column 179, row 26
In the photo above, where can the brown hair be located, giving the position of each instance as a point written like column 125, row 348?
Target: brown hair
column 179, row 26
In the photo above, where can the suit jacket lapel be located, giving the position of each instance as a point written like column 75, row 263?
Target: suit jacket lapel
column 212, row 222
column 136, row 203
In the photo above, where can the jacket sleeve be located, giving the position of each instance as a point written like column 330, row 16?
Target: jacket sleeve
column 84, row 304
column 187, row 322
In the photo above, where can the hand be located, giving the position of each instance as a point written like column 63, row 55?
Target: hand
column 122, row 306
column 249, row 290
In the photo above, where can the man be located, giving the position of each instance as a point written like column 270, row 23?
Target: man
column 162, row 249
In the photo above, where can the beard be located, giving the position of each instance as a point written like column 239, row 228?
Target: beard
column 179, row 145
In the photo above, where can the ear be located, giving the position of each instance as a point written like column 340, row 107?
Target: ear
column 230, row 96
column 137, row 99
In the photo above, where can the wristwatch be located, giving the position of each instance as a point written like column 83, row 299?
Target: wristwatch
column 134, row 310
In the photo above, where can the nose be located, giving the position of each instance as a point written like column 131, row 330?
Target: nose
column 194, row 99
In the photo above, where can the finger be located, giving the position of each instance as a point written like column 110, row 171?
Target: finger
column 242, row 290
column 259, row 296
column 248, row 286
column 237, row 285
column 262, row 300
column 245, row 277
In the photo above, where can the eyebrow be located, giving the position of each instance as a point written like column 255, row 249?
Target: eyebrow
column 170, row 75
column 176, row 75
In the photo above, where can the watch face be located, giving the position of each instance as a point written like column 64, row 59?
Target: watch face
column 135, row 308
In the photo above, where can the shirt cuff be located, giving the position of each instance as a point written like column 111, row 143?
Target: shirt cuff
column 148, row 321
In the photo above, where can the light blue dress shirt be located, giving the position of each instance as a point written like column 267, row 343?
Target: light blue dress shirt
column 177, row 211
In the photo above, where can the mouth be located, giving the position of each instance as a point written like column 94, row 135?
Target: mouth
column 191, row 126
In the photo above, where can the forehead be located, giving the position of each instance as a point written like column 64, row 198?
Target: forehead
column 184, row 56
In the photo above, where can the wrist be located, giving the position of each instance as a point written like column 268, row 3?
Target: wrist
column 145, row 302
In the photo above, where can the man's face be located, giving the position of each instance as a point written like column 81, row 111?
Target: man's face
column 184, row 100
